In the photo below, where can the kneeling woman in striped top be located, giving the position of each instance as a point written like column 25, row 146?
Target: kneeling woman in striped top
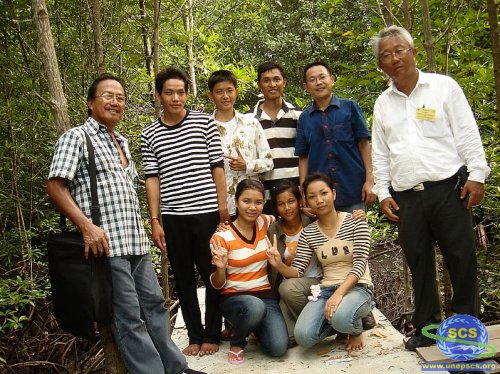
column 341, row 245
column 240, row 257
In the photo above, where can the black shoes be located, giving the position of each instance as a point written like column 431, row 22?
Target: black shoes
column 418, row 340
column 368, row 322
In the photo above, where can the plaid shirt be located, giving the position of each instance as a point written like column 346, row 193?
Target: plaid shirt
column 116, row 186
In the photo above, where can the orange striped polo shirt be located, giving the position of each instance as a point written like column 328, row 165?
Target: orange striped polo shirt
column 247, row 259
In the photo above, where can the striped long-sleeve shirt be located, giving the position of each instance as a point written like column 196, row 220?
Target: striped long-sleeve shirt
column 182, row 157
column 247, row 260
column 345, row 253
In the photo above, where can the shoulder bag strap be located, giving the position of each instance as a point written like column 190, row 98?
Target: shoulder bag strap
column 94, row 209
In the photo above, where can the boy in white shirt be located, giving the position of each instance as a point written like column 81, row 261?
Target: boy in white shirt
column 246, row 150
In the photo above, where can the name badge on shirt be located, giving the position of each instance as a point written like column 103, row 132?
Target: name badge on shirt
column 426, row 114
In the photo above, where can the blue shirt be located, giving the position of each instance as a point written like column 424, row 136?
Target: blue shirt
column 330, row 140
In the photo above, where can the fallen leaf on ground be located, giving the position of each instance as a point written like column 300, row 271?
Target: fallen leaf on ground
column 379, row 334
column 324, row 351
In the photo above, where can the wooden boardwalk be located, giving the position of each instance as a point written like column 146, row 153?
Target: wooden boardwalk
column 384, row 353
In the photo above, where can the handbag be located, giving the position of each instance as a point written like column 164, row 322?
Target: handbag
column 81, row 288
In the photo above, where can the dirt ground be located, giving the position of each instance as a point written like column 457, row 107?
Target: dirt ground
column 384, row 352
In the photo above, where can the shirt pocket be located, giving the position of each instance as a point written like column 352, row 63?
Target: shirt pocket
column 435, row 129
column 342, row 132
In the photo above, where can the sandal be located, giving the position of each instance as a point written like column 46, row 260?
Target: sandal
column 234, row 357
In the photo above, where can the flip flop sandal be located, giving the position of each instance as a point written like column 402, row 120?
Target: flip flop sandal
column 237, row 359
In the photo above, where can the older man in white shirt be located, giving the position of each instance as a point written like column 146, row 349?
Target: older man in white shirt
column 429, row 169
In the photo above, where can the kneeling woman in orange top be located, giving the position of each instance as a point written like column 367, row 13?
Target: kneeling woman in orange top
column 240, row 259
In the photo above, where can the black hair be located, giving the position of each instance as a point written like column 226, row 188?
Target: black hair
column 313, row 64
column 221, row 76
column 283, row 186
column 315, row 177
column 93, row 87
column 249, row 184
column 170, row 72
column 269, row 65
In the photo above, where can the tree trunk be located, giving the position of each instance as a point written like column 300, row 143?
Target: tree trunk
column 113, row 363
column 95, row 15
column 57, row 102
column 407, row 14
column 156, row 54
column 146, row 46
column 387, row 12
column 188, row 26
column 428, row 45
column 495, row 48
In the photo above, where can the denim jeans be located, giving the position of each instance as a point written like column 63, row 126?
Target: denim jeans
column 312, row 326
column 140, row 320
column 262, row 316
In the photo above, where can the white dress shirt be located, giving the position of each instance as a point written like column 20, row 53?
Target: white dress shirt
column 410, row 147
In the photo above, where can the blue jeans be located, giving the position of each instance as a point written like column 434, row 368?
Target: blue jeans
column 262, row 316
column 312, row 326
column 140, row 320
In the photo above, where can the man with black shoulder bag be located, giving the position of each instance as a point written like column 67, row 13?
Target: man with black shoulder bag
column 140, row 321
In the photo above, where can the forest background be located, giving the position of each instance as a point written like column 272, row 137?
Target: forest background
column 133, row 39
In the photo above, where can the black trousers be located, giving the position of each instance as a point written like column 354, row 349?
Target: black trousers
column 437, row 214
column 188, row 244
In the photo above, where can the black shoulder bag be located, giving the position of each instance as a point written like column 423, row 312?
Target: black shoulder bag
column 81, row 288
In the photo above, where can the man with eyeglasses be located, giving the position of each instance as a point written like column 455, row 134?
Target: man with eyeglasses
column 429, row 167
column 332, row 138
column 279, row 121
column 140, row 322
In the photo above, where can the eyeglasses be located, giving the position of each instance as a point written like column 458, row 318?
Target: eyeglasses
column 321, row 78
column 399, row 53
column 110, row 97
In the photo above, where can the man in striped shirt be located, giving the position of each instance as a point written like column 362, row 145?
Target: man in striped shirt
column 185, row 183
column 279, row 121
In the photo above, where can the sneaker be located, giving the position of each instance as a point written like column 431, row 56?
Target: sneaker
column 368, row 321
column 191, row 371
column 418, row 340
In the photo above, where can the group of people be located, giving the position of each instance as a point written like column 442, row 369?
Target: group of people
column 265, row 205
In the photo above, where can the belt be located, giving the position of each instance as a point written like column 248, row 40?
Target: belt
column 423, row 185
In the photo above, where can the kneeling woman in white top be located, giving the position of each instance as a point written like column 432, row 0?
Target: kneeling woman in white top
column 341, row 245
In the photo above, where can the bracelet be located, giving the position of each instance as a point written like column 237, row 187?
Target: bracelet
column 153, row 218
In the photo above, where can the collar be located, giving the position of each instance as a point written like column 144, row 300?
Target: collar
column 285, row 107
column 305, row 221
column 237, row 115
column 93, row 127
column 334, row 101
column 423, row 79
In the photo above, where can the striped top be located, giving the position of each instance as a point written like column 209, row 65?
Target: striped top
column 246, row 272
column 281, row 135
column 345, row 253
column 182, row 156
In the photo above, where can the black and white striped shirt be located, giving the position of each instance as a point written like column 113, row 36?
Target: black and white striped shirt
column 182, row 156
column 281, row 135
column 346, row 253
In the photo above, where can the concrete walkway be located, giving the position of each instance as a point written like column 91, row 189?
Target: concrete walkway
column 384, row 353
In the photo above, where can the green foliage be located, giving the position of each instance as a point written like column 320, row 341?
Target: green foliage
column 17, row 299
column 232, row 34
